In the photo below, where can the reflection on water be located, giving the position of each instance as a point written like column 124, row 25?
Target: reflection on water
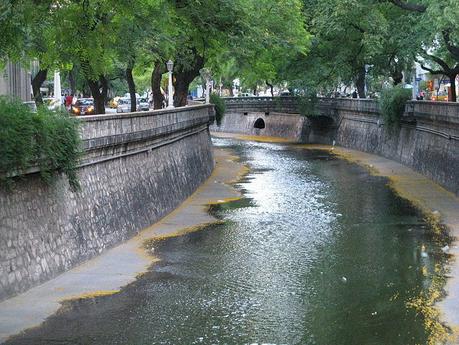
column 318, row 252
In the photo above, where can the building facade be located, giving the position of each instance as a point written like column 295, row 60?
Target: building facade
column 16, row 81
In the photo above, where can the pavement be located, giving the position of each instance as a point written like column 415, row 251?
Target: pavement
column 119, row 266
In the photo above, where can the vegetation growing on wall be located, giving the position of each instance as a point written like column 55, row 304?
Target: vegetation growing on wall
column 46, row 139
column 392, row 105
column 219, row 104
column 307, row 103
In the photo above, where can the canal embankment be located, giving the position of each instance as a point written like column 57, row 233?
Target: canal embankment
column 135, row 169
column 119, row 266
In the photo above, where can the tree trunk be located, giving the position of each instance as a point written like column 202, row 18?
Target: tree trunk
column 99, row 90
column 131, row 86
column 72, row 81
column 183, row 79
column 397, row 77
column 452, row 80
column 158, row 97
column 360, row 83
column 271, row 87
column 182, row 83
column 37, row 82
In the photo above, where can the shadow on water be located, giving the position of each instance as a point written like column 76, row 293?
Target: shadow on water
column 317, row 252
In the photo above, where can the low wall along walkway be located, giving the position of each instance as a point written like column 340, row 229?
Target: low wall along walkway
column 136, row 168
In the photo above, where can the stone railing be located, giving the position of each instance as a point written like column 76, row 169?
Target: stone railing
column 133, row 132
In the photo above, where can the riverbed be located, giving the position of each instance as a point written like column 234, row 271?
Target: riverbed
column 317, row 252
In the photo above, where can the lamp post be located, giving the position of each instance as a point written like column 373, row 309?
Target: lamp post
column 205, row 74
column 367, row 67
column 170, row 103
column 57, row 87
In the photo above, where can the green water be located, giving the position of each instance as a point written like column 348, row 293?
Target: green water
column 318, row 252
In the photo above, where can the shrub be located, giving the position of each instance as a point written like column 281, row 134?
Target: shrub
column 392, row 105
column 220, row 107
column 307, row 103
column 45, row 139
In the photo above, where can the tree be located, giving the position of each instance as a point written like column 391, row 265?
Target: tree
column 352, row 34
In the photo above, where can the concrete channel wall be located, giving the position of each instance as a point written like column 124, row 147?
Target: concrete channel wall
column 427, row 140
column 136, row 168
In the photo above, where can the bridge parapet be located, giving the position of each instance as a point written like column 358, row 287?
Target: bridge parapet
column 285, row 105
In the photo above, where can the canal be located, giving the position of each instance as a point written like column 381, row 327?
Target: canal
column 317, row 252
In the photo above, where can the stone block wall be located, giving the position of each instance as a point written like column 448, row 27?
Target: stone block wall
column 136, row 168
column 427, row 140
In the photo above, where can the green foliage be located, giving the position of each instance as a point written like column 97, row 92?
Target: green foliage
column 307, row 103
column 219, row 107
column 45, row 139
column 392, row 105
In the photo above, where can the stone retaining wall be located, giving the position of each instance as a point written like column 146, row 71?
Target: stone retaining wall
column 136, row 168
column 427, row 140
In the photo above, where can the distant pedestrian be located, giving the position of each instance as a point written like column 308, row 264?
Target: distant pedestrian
column 354, row 94
column 68, row 101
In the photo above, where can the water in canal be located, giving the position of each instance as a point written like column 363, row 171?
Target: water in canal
column 318, row 252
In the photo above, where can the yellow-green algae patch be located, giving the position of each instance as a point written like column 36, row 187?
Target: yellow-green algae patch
column 424, row 304
column 258, row 138
column 92, row 294
column 151, row 241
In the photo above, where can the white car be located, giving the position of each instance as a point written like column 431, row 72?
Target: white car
column 143, row 104
column 124, row 105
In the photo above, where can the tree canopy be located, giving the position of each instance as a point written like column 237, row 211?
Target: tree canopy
column 301, row 44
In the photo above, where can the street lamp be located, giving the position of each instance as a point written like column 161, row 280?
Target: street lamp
column 170, row 67
column 206, row 75
column 367, row 68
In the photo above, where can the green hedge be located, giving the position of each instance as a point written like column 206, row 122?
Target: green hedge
column 220, row 107
column 392, row 105
column 49, row 140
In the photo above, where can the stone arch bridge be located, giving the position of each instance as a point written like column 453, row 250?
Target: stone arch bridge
column 281, row 117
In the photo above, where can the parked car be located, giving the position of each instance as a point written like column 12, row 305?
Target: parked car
column 124, row 105
column 143, row 105
column 83, row 106
column 441, row 96
column 114, row 102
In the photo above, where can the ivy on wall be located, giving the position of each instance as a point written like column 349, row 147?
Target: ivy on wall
column 45, row 139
